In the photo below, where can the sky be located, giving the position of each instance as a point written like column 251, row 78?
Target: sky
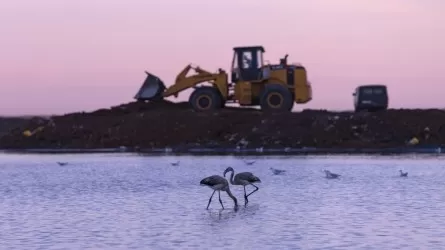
column 61, row 56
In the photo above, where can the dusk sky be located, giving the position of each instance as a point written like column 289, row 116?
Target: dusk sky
column 60, row 56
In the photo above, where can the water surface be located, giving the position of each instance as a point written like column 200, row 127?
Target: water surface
column 126, row 201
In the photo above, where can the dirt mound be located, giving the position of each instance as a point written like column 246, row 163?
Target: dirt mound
column 9, row 123
column 162, row 124
column 137, row 107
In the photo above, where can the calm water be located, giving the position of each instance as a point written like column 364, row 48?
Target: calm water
column 140, row 202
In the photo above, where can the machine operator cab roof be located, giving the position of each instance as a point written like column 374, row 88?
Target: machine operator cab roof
column 247, row 63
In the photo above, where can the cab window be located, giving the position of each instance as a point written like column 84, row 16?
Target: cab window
column 260, row 59
column 367, row 91
column 378, row 91
column 247, row 60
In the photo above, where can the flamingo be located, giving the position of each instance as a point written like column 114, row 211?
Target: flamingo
column 403, row 174
column 218, row 183
column 243, row 179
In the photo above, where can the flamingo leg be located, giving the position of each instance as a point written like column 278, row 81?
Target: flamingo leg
column 220, row 201
column 210, row 200
column 256, row 189
column 245, row 196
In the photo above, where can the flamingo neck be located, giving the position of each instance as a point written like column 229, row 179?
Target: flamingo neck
column 232, row 196
column 231, row 177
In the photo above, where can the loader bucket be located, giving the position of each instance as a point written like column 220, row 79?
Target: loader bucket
column 151, row 89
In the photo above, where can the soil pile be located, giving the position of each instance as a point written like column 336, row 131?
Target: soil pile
column 163, row 124
column 9, row 123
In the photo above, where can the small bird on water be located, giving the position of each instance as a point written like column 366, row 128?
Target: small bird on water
column 277, row 171
column 62, row 163
column 330, row 175
column 218, row 183
column 249, row 162
column 243, row 179
column 403, row 174
column 175, row 163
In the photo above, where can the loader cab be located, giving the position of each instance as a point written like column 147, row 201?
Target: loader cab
column 247, row 63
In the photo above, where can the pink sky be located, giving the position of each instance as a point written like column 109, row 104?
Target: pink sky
column 60, row 56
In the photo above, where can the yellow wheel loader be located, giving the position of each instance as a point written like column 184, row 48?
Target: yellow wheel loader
column 274, row 87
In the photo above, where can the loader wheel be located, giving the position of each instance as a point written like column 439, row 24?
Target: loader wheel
column 276, row 97
column 205, row 99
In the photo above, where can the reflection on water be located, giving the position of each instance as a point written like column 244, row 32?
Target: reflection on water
column 135, row 202
column 234, row 212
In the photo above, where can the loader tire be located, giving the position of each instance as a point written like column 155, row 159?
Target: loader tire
column 206, row 99
column 276, row 98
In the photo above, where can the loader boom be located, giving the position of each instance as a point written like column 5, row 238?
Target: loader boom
column 184, row 82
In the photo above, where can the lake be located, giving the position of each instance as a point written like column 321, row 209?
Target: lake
column 130, row 201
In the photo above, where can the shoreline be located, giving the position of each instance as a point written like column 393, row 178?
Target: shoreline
column 235, row 151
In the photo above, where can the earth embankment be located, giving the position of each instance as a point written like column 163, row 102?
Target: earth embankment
column 166, row 124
